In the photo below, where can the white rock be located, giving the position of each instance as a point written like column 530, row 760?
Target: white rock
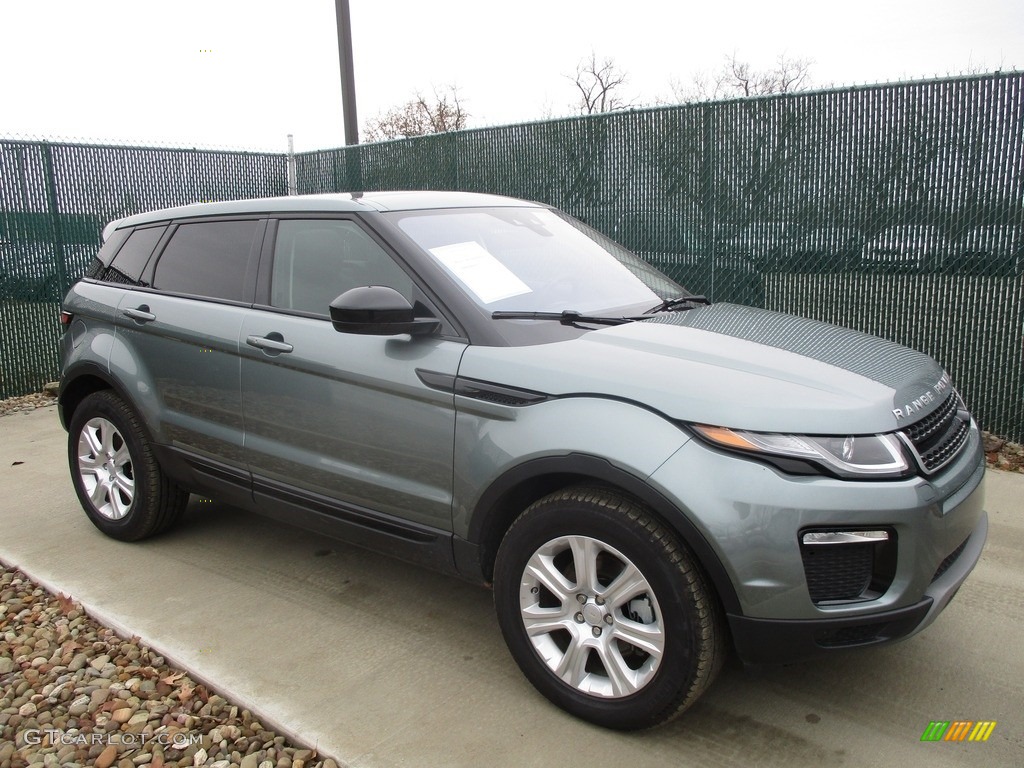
column 79, row 706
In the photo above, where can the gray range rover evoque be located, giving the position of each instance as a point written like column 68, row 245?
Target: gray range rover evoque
column 486, row 386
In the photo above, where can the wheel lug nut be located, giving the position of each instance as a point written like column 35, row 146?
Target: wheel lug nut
column 607, row 618
column 579, row 618
column 581, row 599
column 599, row 600
column 597, row 631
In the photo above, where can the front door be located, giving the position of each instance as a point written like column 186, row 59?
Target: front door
column 344, row 418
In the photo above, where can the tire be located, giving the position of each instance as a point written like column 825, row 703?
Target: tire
column 630, row 646
column 115, row 473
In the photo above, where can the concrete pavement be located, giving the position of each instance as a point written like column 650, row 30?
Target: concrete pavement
column 380, row 664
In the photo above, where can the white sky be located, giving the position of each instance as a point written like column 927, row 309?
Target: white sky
column 245, row 73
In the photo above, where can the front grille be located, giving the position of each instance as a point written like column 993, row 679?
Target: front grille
column 939, row 436
column 838, row 572
column 950, row 559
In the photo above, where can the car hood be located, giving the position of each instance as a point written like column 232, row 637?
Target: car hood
column 733, row 366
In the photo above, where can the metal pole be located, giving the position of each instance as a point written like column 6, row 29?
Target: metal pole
column 291, row 166
column 348, row 81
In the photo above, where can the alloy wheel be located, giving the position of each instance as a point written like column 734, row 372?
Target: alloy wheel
column 105, row 468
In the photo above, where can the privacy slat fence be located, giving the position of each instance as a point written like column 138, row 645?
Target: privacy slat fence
column 896, row 209
column 54, row 201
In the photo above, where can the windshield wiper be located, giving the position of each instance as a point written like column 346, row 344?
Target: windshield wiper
column 566, row 317
column 670, row 304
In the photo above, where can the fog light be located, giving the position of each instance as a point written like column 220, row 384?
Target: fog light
column 848, row 565
column 845, row 537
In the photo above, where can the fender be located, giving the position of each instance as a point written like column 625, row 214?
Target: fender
column 498, row 506
column 71, row 392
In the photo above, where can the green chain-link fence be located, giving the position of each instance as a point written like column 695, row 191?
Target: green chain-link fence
column 54, row 201
column 897, row 209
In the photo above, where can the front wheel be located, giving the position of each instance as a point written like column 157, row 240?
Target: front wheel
column 605, row 611
column 118, row 481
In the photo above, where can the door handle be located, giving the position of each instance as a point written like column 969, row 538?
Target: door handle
column 272, row 342
column 140, row 315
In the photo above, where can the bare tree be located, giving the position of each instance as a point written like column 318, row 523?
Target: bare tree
column 738, row 79
column 599, row 84
column 419, row 116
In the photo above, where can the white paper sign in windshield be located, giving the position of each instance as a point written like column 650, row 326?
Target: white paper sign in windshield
column 484, row 275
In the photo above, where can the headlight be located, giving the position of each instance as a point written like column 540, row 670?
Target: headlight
column 854, row 456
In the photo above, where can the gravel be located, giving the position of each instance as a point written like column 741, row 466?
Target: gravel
column 26, row 403
column 1002, row 454
column 73, row 693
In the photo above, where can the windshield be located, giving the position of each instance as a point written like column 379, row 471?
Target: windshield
column 534, row 259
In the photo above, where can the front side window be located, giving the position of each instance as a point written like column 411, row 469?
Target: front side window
column 317, row 260
column 208, row 258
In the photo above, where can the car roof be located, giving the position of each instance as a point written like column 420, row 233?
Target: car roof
column 347, row 202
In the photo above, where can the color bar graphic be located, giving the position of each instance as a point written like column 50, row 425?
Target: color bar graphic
column 958, row 730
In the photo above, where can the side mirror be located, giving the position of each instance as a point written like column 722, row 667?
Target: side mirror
column 377, row 310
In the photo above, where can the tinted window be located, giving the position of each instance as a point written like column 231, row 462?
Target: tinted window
column 207, row 259
column 131, row 259
column 112, row 245
column 315, row 261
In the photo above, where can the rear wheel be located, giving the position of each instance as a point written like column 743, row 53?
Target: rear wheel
column 116, row 476
column 605, row 611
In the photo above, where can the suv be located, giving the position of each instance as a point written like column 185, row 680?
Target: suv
column 488, row 387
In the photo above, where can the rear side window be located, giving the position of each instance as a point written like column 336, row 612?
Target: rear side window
column 133, row 256
column 112, row 245
column 208, row 259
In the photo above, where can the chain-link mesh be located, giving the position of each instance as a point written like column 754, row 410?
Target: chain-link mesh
column 54, row 201
column 896, row 209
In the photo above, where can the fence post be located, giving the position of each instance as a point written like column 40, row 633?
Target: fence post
column 54, row 211
column 709, row 206
column 354, row 168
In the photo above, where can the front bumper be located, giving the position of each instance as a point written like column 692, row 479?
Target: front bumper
column 753, row 517
column 768, row 641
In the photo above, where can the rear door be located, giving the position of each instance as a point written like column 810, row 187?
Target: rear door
column 341, row 423
column 178, row 338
